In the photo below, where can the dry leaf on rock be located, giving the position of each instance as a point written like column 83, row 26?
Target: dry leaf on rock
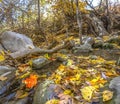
column 87, row 92
column 107, row 95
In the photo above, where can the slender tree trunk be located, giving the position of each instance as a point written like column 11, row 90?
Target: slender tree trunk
column 107, row 8
column 23, row 20
column 39, row 13
column 79, row 21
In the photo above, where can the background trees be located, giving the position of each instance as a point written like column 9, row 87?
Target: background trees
column 43, row 17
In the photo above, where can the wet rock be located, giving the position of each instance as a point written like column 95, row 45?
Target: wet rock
column 115, row 84
column 83, row 48
column 15, row 42
column 44, row 92
column 40, row 62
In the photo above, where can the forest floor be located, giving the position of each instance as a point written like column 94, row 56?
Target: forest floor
column 83, row 76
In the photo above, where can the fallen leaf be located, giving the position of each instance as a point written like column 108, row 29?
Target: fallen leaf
column 67, row 92
column 87, row 92
column 2, row 56
column 31, row 81
column 107, row 95
column 2, row 78
column 53, row 101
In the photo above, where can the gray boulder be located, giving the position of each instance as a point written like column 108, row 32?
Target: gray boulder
column 39, row 62
column 44, row 92
column 4, row 69
column 7, row 74
column 83, row 48
column 15, row 42
column 115, row 84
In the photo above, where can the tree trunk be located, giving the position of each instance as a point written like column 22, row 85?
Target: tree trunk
column 38, row 13
column 79, row 21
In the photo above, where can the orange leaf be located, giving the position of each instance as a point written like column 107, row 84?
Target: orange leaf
column 31, row 81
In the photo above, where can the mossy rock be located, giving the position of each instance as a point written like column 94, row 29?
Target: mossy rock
column 115, row 40
column 44, row 92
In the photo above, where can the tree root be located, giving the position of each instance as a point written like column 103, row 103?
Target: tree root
column 37, row 50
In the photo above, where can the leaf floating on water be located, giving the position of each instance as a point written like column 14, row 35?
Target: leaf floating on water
column 107, row 95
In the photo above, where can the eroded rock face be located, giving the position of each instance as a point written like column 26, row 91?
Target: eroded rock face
column 15, row 42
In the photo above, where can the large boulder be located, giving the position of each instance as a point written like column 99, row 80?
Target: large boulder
column 115, row 84
column 15, row 42
column 44, row 92
column 7, row 73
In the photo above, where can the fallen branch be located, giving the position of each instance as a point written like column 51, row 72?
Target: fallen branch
column 37, row 50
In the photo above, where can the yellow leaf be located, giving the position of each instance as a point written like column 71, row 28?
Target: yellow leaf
column 47, row 56
column 107, row 95
column 70, row 62
column 2, row 56
column 68, row 92
column 53, row 101
column 30, row 62
column 43, row 76
column 105, row 38
column 24, row 75
column 87, row 92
